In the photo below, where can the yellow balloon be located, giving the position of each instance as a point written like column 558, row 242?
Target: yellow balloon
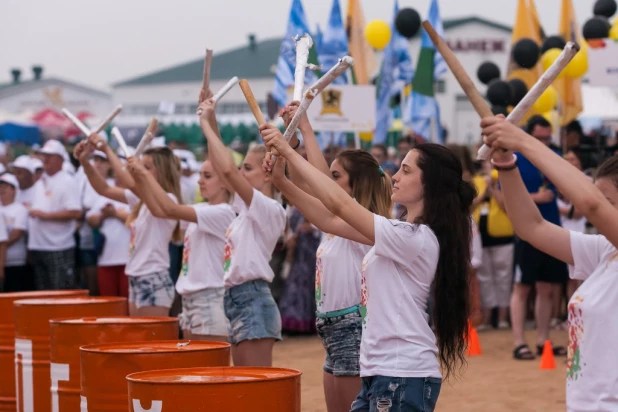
column 547, row 101
column 407, row 90
column 397, row 125
column 613, row 32
column 549, row 57
column 378, row 34
column 366, row 136
column 578, row 66
column 494, row 174
column 549, row 116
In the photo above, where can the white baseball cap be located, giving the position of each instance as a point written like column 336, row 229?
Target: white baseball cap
column 54, row 147
column 36, row 163
column 24, row 162
column 10, row 179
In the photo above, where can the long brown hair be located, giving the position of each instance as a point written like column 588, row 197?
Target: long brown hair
column 609, row 170
column 371, row 186
column 168, row 176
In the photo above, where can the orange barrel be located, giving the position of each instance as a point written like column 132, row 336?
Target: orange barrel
column 215, row 390
column 67, row 335
column 104, row 368
column 7, row 340
column 32, row 365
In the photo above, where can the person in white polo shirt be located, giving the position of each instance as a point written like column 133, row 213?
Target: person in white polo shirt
column 55, row 209
column 4, row 237
column 17, row 276
column 24, row 169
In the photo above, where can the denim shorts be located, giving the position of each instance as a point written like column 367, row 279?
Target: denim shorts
column 252, row 312
column 203, row 314
column 155, row 289
column 383, row 393
column 341, row 338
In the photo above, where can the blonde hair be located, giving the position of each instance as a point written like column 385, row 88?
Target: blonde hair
column 371, row 186
column 168, row 176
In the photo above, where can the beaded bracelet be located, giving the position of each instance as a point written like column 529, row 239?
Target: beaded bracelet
column 505, row 166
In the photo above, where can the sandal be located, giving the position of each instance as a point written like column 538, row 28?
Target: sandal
column 523, row 352
column 558, row 350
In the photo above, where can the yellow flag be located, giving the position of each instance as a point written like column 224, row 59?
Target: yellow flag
column 526, row 25
column 360, row 50
column 569, row 90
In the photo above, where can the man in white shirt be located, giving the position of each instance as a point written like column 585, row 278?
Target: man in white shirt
column 55, row 208
column 24, row 170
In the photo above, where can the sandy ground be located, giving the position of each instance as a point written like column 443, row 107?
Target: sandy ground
column 492, row 382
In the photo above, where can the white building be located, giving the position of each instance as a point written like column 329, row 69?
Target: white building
column 24, row 97
column 474, row 40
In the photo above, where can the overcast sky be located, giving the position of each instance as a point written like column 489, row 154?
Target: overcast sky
column 99, row 42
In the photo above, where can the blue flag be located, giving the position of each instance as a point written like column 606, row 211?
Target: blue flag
column 395, row 74
column 284, row 77
column 422, row 113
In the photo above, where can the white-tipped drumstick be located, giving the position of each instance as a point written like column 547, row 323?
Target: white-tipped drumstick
column 233, row 82
column 78, row 123
column 569, row 51
column 123, row 145
column 303, row 44
column 108, row 120
column 315, row 89
column 147, row 138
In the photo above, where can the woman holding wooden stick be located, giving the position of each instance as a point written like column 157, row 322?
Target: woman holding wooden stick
column 151, row 290
column 339, row 259
column 592, row 365
column 200, row 282
column 400, row 358
column 255, row 322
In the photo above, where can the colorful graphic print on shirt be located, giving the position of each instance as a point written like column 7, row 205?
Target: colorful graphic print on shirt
column 576, row 332
column 364, row 294
column 319, row 270
column 184, row 269
column 228, row 252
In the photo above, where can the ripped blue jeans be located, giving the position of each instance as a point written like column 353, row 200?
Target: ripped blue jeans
column 383, row 393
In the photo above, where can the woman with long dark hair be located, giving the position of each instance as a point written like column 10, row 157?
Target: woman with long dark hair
column 400, row 355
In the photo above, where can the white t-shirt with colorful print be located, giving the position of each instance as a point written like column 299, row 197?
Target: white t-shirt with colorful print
column 149, row 240
column 338, row 273
column 202, row 256
column 251, row 239
column 592, row 363
column 397, row 274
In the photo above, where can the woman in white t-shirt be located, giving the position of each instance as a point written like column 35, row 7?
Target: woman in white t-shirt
column 255, row 321
column 15, row 214
column 339, row 260
column 400, row 356
column 151, row 290
column 200, row 282
column 592, row 364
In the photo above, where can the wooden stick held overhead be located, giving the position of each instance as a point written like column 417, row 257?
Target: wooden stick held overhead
column 252, row 102
column 206, row 78
column 147, row 138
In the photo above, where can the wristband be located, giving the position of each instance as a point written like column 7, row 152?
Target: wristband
column 505, row 166
column 297, row 144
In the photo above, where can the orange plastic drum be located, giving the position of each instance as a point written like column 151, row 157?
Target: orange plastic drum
column 7, row 340
column 104, row 368
column 215, row 390
column 67, row 335
column 32, row 365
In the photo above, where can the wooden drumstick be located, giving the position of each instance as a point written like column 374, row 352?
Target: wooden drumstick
column 147, row 138
column 206, row 78
column 253, row 104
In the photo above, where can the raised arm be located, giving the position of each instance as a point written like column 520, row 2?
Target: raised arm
column 157, row 201
column 311, row 208
column 123, row 177
column 82, row 151
column 327, row 191
column 219, row 155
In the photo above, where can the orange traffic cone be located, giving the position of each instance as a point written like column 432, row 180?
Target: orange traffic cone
column 474, row 345
column 547, row 358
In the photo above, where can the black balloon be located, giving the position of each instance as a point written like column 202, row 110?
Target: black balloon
column 499, row 110
column 596, row 28
column 606, row 8
column 526, row 53
column 487, row 72
column 518, row 91
column 499, row 93
column 408, row 22
column 553, row 42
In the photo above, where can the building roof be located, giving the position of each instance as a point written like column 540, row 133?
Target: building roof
column 248, row 62
column 10, row 89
